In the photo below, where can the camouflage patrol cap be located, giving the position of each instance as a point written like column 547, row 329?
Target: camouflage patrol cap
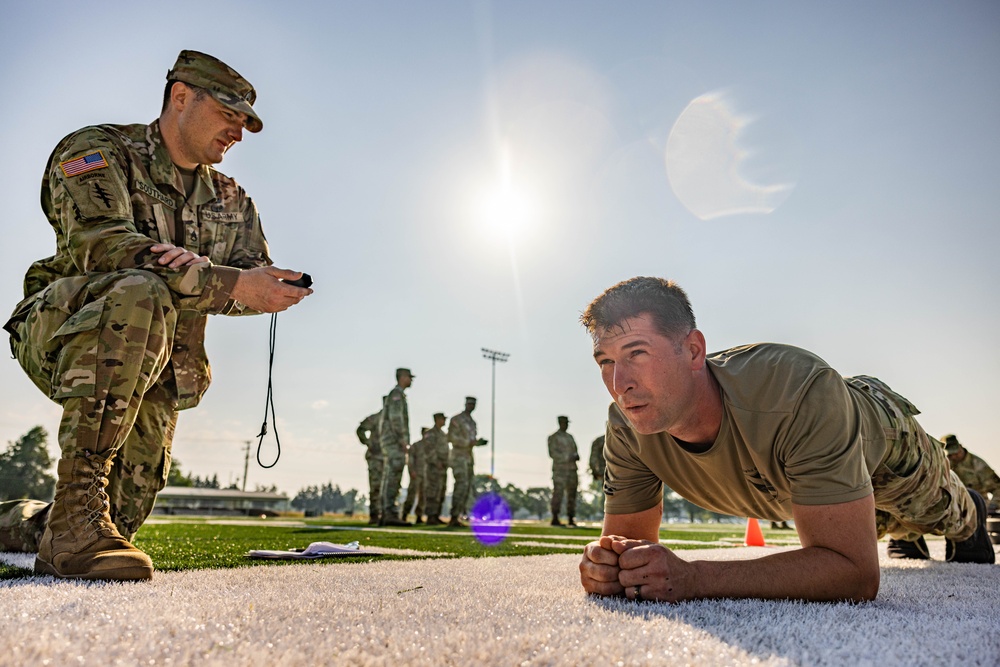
column 951, row 443
column 221, row 81
column 470, row 399
column 439, row 415
column 401, row 371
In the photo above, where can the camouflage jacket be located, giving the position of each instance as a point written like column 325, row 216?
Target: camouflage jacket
column 976, row 474
column 371, row 424
column 597, row 462
column 462, row 433
column 437, row 445
column 562, row 450
column 394, row 427
column 110, row 192
column 416, row 457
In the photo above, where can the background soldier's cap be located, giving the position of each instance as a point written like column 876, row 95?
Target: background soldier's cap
column 951, row 443
column 223, row 82
column 562, row 417
column 400, row 371
column 470, row 399
column 438, row 415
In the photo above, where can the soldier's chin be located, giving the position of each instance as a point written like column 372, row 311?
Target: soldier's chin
column 640, row 425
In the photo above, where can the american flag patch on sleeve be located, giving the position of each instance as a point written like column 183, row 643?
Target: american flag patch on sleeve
column 82, row 165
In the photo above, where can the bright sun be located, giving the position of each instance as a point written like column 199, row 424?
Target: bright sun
column 506, row 210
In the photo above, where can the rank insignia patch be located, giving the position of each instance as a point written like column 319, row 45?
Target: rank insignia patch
column 82, row 165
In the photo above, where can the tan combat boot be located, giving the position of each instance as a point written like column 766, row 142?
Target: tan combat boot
column 80, row 540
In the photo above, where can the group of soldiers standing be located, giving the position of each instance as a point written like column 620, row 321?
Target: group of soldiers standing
column 387, row 433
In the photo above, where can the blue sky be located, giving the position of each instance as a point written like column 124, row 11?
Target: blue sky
column 630, row 136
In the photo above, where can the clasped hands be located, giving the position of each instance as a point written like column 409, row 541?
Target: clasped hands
column 636, row 569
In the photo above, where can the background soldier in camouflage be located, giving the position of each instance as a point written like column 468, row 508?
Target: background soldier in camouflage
column 416, row 464
column 394, row 436
column 149, row 241
column 436, row 455
column 564, row 455
column 597, row 463
column 974, row 472
column 462, row 436
column 368, row 435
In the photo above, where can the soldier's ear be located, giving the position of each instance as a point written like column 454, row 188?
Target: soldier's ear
column 695, row 345
column 180, row 95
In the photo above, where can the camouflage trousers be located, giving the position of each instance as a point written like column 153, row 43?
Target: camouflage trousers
column 105, row 360
column 462, row 466
column 564, row 483
column 436, row 482
column 416, row 494
column 916, row 492
column 394, row 460
column 376, row 468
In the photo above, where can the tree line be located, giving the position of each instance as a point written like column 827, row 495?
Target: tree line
column 26, row 464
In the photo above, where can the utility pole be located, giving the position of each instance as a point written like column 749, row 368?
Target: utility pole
column 246, row 465
column 494, row 357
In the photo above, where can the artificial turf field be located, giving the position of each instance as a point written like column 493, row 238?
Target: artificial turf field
column 196, row 543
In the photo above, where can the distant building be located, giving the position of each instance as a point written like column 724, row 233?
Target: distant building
column 228, row 502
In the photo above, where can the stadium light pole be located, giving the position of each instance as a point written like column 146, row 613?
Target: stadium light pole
column 494, row 357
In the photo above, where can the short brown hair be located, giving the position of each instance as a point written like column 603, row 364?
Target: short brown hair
column 663, row 299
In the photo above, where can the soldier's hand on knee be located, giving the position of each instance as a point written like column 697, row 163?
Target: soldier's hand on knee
column 175, row 256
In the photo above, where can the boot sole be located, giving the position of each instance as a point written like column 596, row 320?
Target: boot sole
column 135, row 573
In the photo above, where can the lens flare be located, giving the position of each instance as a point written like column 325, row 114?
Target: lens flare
column 490, row 519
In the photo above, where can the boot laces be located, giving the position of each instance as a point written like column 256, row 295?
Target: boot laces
column 97, row 508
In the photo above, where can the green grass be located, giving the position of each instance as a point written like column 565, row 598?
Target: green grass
column 191, row 543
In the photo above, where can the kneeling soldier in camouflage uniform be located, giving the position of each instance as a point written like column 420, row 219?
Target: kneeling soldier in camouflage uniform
column 149, row 241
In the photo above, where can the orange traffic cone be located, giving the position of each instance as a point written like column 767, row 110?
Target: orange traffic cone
column 754, row 536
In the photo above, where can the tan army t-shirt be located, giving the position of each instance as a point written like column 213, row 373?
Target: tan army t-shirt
column 793, row 431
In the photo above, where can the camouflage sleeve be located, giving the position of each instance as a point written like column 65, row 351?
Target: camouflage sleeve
column 93, row 209
column 367, row 425
column 596, row 453
column 553, row 447
column 396, row 417
column 249, row 251
column 989, row 480
column 454, row 432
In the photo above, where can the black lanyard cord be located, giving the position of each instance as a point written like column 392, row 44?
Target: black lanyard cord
column 304, row 281
column 269, row 404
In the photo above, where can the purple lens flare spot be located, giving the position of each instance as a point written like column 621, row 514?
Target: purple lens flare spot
column 490, row 519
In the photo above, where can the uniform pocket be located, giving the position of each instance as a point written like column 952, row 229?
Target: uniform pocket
column 75, row 372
